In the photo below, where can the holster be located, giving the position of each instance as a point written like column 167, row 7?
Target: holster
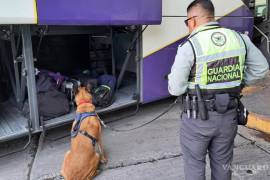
column 222, row 102
column 242, row 114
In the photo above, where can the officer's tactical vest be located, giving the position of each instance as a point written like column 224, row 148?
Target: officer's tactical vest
column 219, row 60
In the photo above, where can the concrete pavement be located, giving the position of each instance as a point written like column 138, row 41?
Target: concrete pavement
column 257, row 101
column 151, row 152
column 16, row 166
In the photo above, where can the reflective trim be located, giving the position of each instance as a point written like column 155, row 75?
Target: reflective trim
column 241, row 40
column 222, row 55
column 199, row 71
column 216, row 85
column 197, row 46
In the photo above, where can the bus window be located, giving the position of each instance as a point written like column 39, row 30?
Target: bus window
column 261, row 8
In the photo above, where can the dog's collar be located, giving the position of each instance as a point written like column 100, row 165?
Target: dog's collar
column 83, row 102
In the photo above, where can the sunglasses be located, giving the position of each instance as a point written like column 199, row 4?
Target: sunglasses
column 186, row 21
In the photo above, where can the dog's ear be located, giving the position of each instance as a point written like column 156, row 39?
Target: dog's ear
column 89, row 87
column 76, row 90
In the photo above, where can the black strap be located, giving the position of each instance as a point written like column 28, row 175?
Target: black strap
column 92, row 138
column 193, row 49
column 239, row 34
column 193, row 68
column 243, row 42
column 79, row 119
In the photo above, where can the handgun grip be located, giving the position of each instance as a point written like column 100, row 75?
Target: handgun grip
column 202, row 110
column 201, row 104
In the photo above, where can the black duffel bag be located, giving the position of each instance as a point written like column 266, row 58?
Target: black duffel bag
column 51, row 104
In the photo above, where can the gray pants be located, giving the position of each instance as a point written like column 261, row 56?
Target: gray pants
column 216, row 135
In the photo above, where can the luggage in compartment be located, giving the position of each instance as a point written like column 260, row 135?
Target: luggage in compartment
column 68, row 87
column 44, row 82
column 52, row 104
column 100, row 55
column 51, row 101
column 102, row 87
column 85, row 59
column 103, row 95
column 62, row 58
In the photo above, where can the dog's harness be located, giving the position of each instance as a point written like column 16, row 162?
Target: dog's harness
column 76, row 129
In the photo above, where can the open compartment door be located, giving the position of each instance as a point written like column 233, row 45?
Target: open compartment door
column 99, row 12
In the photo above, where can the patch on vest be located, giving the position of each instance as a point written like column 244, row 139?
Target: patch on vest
column 224, row 70
column 218, row 38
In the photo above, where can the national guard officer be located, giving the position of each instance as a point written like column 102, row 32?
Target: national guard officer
column 213, row 63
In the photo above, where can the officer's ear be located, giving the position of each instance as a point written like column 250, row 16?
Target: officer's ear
column 193, row 23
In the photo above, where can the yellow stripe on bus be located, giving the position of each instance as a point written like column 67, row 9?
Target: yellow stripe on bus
column 35, row 12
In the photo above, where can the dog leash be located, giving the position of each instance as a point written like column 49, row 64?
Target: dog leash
column 142, row 125
column 126, row 130
column 101, row 121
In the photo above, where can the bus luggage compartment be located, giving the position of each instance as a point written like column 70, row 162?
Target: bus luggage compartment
column 70, row 51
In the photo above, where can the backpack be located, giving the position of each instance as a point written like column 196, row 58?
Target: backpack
column 103, row 95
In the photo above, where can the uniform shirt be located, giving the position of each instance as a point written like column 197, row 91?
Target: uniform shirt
column 256, row 65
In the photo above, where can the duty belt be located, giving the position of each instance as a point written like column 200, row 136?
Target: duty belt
column 211, row 104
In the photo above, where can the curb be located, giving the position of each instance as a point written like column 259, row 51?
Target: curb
column 259, row 122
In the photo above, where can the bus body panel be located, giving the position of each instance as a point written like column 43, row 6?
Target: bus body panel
column 99, row 12
column 160, row 43
column 18, row 12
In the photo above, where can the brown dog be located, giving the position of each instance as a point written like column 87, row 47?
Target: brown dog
column 82, row 160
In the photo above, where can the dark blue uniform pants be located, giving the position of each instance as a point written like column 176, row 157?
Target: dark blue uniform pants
column 216, row 135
